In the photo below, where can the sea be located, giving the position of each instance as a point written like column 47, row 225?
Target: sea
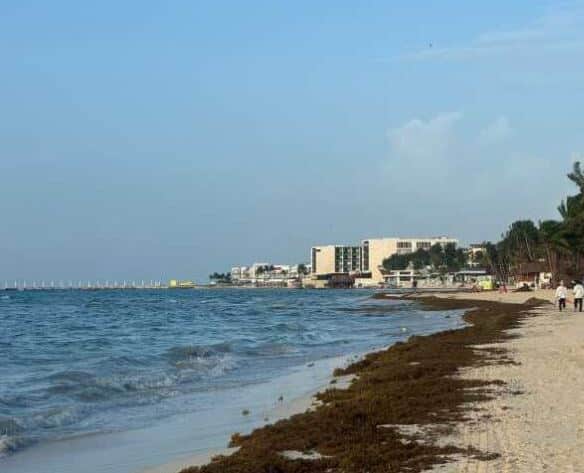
column 123, row 380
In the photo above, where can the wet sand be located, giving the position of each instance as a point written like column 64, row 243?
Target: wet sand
column 168, row 446
column 500, row 395
column 404, row 402
column 282, row 410
column 521, row 411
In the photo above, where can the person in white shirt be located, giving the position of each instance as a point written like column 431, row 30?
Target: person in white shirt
column 578, row 291
column 561, row 294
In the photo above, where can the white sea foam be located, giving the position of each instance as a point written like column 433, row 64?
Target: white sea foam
column 123, row 360
column 9, row 444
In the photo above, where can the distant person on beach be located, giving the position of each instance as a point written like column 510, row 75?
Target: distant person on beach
column 578, row 291
column 561, row 294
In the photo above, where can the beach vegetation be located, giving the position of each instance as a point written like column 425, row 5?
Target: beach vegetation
column 557, row 244
column 439, row 258
column 224, row 278
column 302, row 269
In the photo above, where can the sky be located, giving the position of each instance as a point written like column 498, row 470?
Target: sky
column 150, row 140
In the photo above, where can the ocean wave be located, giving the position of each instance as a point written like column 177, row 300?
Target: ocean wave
column 58, row 417
column 292, row 326
column 10, row 426
column 377, row 309
column 270, row 349
column 9, row 444
column 71, row 376
column 119, row 359
column 90, row 388
column 188, row 364
column 189, row 351
column 320, row 343
column 194, row 356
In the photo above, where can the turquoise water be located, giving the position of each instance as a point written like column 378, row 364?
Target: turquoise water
column 80, row 362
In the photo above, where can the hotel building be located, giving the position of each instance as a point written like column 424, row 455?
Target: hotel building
column 375, row 250
column 368, row 258
column 335, row 259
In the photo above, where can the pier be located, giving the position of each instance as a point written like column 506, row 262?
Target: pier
column 82, row 285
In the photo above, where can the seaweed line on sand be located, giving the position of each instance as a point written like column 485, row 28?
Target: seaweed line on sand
column 364, row 428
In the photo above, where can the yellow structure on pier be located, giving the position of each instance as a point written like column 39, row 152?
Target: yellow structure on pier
column 176, row 284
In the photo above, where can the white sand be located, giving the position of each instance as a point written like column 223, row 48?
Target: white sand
column 536, row 431
column 494, row 296
column 542, row 428
column 539, row 430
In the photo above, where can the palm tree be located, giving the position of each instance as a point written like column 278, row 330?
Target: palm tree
column 552, row 238
column 577, row 177
column 572, row 212
column 521, row 240
column 492, row 260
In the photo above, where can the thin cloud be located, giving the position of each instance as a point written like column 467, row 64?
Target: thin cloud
column 559, row 30
column 424, row 139
column 443, row 160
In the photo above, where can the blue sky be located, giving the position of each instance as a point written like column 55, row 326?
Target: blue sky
column 159, row 139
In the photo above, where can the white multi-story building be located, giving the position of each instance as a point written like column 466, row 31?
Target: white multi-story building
column 266, row 274
column 368, row 257
column 375, row 250
column 335, row 259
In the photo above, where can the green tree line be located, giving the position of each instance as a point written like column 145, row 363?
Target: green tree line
column 442, row 258
column 220, row 277
column 558, row 244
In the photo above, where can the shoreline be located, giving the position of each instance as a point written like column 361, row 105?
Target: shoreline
column 375, row 422
column 285, row 410
column 217, row 415
column 168, row 443
column 418, row 377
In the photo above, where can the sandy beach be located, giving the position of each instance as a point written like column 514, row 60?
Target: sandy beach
column 372, row 425
column 535, row 421
column 517, row 407
column 497, row 394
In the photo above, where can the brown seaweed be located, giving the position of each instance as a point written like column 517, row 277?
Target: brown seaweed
column 410, row 383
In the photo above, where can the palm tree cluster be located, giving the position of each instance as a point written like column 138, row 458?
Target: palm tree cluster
column 557, row 244
column 220, row 277
column 445, row 258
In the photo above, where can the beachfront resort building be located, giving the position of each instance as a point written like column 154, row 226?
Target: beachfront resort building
column 267, row 274
column 375, row 250
column 335, row 259
column 475, row 254
column 366, row 260
column 426, row 277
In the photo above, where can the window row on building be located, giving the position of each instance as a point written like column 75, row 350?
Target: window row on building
column 367, row 257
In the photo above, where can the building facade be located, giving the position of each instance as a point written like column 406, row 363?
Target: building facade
column 367, row 259
column 335, row 259
column 375, row 250
column 267, row 274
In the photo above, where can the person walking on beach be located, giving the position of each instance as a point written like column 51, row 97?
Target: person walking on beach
column 578, row 291
column 561, row 294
